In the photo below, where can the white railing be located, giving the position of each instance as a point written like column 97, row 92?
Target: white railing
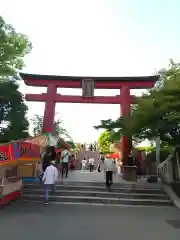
column 165, row 171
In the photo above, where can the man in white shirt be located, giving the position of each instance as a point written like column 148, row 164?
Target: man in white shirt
column 65, row 157
column 109, row 167
column 91, row 164
column 49, row 178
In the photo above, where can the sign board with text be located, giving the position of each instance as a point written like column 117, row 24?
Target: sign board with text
column 25, row 151
column 5, row 153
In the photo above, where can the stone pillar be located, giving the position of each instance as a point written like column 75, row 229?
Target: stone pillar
column 49, row 111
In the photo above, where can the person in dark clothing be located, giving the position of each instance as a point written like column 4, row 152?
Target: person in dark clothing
column 49, row 156
column 53, row 153
column 102, row 157
column 46, row 161
column 131, row 160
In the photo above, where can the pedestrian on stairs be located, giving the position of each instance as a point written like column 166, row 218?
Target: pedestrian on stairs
column 49, row 178
column 47, row 157
column 109, row 168
column 65, row 159
column 91, row 164
column 83, row 164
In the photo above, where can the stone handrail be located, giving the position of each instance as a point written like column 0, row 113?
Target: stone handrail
column 165, row 170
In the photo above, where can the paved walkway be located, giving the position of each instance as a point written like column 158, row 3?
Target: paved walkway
column 96, row 176
column 37, row 221
column 88, row 176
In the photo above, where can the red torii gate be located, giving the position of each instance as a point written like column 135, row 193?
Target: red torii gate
column 124, row 84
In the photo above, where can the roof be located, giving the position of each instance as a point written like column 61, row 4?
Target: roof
column 152, row 78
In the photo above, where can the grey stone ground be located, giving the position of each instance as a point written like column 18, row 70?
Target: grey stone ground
column 31, row 221
column 35, row 221
column 95, row 176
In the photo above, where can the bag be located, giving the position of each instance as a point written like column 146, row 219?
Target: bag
column 41, row 177
column 99, row 168
column 152, row 179
column 65, row 156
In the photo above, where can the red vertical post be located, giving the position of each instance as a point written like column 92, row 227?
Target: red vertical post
column 126, row 101
column 49, row 111
column 125, row 110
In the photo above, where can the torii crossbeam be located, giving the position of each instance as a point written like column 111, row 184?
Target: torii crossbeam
column 124, row 84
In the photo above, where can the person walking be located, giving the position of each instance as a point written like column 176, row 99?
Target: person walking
column 49, row 179
column 72, row 163
column 48, row 156
column 65, row 158
column 83, row 164
column 58, row 162
column 91, row 164
column 109, row 169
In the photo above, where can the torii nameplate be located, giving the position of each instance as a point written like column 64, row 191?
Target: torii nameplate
column 88, row 86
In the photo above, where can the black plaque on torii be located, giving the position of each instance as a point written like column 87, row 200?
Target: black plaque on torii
column 88, row 86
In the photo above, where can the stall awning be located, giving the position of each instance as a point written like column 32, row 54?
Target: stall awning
column 43, row 140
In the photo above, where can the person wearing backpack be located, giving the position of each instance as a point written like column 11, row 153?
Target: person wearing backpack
column 65, row 158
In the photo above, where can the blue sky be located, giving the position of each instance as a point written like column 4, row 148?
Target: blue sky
column 95, row 38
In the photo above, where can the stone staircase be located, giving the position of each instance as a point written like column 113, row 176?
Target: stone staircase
column 81, row 154
column 95, row 193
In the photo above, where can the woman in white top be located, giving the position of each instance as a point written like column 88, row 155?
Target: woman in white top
column 83, row 164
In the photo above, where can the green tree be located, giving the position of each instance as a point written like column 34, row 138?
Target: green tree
column 13, row 47
column 78, row 145
column 104, row 141
column 61, row 144
column 156, row 113
column 60, row 131
column 13, row 121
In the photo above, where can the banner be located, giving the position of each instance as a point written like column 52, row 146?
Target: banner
column 25, row 150
column 5, row 153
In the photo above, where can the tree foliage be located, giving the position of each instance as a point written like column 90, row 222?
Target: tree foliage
column 60, row 131
column 13, row 47
column 13, row 121
column 104, row 141
column 156, row 113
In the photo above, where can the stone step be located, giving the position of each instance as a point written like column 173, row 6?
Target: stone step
column 96, row 183
column 105, row 194
column 98, row 200
column 99, row 188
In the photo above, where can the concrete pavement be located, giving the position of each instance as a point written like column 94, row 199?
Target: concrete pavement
column 70, row 222
column 95, row 176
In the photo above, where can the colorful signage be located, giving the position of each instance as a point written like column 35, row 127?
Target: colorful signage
column 25, row 150
column 5, row 153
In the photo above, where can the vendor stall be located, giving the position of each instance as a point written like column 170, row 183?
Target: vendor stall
column 33, row 148
column 10, row 180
